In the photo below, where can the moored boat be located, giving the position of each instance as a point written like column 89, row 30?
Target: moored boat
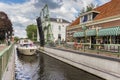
column 26, row 47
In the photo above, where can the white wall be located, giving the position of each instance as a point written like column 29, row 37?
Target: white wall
column 55, row 30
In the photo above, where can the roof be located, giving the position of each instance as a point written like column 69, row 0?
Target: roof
column 109, row 9
column 75, row 22
column 55, row 20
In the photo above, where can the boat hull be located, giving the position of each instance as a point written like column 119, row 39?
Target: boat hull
column 27, row 51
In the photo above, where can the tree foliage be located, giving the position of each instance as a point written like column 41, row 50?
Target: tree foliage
column 32, row 32
column 90, row 7
column 5, row 26
column 16, row 38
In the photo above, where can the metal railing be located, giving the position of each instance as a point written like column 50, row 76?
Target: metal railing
column 4, row 58
column 108, row 47
column 115, row 48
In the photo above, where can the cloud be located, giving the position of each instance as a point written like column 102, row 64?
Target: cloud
column 23, row 14
column 53, row 4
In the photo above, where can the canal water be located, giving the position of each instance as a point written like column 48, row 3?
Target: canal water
column 44, row 67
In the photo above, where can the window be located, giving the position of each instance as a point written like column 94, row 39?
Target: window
column 106, row 39
column 59, row 36
column 59, row 28
column 115, row 39
column 61, row 20
column 85, row 18
column 90, row 17
column 57, row 20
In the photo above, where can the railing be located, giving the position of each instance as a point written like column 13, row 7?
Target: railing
column 101, row 47
column 4, row 58
column 108, row 47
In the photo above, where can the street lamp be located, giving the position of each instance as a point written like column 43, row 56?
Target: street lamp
column 84, row 29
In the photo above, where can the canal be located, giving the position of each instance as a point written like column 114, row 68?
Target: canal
column 44, row 67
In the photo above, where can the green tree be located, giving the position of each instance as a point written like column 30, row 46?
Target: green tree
column 88, row 8
column 32, row 32
column 16, row 38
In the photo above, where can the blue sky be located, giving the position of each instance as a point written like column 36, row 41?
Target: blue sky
column 25, row 12
column 12, row 1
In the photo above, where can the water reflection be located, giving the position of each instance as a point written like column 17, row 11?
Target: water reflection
column 52, row 69
column 43, row 67
column 27, row 59
column 27, row 67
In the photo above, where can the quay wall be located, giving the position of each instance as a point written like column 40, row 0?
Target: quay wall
column 102, row 66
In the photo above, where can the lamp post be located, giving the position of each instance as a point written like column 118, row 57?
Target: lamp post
column 33, row 36
column 84, row 29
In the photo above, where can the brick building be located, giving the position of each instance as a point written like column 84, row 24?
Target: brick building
column 102, row 24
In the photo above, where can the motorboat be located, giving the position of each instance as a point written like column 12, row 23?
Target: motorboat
column 26, row 47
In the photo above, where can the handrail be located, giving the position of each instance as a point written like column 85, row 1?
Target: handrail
column 4, row 58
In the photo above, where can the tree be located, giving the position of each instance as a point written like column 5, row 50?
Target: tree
column 90, row 7
column 16, row 38
column 32, row 32
column 5, row 26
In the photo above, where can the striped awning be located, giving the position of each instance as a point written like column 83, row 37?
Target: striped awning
column 78, row 34
column 91, row 32
column 109, row 31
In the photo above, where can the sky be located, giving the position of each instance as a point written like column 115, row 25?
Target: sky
column 24, row 12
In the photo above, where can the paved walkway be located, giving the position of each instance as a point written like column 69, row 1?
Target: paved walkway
column 98, row 52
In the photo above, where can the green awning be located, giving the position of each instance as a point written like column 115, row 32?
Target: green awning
column 109, row 31
column 78, row 34
column 91, row 32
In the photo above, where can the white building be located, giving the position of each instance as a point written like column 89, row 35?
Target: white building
column 58, row 27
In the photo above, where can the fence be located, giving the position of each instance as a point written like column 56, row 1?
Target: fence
column 4, row 58
column 101, row 47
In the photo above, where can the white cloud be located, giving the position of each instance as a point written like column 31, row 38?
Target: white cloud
column 26, row 13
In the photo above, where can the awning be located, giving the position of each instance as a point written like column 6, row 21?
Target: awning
column 78, row 34
column 91, row 32
column 109, row 31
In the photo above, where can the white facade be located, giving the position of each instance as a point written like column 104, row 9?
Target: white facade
column 58, row 27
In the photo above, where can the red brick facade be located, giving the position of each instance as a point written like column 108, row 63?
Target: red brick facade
column 108, row 24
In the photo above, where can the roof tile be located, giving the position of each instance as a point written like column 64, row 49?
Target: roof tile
column 75, row 22
column 111, row 8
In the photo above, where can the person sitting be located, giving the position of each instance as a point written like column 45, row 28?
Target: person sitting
column 75, row 44
column 80, row 46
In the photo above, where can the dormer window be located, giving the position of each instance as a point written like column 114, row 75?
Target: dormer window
column 85, row 18
column 57, row 20
column 88, row 16
column 61, row 20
